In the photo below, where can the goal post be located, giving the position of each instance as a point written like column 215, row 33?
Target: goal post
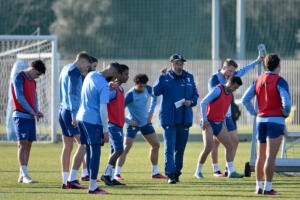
column 27, row 48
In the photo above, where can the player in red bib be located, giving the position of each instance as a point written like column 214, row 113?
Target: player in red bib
column 214, row 108
column 116, row 120
column 25, row 110
column 274, row 104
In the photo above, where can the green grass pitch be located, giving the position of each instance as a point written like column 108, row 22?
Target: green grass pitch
column 44, row 166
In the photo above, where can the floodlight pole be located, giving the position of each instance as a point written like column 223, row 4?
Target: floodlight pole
column 215, row 34
column 240, row 29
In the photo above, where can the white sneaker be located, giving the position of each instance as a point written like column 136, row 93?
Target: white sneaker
column 27, row 179
column 20, row 179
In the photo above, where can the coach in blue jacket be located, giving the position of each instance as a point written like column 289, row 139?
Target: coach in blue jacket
column 179, row 95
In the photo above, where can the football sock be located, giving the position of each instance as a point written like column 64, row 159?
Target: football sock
column 216, row 167
column 107, row 172
column 93, row 184
column 259, row 185
column 268, row 185
column 118, row 171
column 73, row 175
column 154, row 169
column 230, row 167
column 199, row 167
column 23, row 169
column 65, row 176
column 84, row 172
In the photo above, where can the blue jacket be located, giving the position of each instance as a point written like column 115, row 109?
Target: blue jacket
column 174, row 88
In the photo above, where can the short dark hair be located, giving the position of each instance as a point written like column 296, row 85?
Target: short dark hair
column 141, row 79
column 115, row 66
column 84, row 55
column 124, row 67
column 272, row 61
column 236, row 79
column 39, row 66
column 93, row 59
column 230, row 62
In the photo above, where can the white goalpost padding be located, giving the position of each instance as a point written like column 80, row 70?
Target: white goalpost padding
column 27, row 48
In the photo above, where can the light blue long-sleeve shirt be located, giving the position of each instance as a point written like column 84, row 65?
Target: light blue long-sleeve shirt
column 95, row 92
column 137, row 104
column 283, row 89
column 17, row 83
column 210, row 97
column 218, row 78
column 70, row 82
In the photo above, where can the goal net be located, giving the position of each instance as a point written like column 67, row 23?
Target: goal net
column 16, row 54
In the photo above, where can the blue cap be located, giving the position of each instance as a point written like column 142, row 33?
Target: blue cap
column 177, row 57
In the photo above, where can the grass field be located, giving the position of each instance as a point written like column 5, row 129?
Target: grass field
column 45, row 166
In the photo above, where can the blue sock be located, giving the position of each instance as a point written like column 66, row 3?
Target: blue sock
column 88, row 158
column 95, row 160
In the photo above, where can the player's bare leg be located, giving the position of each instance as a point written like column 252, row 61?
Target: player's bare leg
column 79, row 154
column 259, row 166
column 128, row 142
column 22, row 152
column 273, row 145
column 208, row 146
column 84, row 171
column 214, row 158
column 66, row 153
column 235, row 140
column 65, row 158
column 108, row 176
column 77, row 159
column 153, row 140
column 114, row 157
column 24, row 147
column 226, row 140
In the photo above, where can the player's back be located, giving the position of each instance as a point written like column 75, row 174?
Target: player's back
column 63, row 86
column 95, row 91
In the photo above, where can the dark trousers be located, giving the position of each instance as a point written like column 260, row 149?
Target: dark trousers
column 175, row 139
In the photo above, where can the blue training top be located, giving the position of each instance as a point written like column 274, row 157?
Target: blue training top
column 95, row 91
column 70, row 82
column 137, row 104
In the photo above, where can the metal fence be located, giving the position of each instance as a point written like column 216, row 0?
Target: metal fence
column 202, row 70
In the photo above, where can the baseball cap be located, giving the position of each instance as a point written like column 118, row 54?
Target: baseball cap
column 177, row 57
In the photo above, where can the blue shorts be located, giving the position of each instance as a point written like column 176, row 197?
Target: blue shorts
column 65, row 121
column 115, row 137
column 229, row 124
column 90, row 133
column 268, row 130
column 25, row 128
column 216, row 127
column 131, row 131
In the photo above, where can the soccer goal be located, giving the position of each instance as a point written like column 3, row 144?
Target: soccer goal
column 16, row 53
